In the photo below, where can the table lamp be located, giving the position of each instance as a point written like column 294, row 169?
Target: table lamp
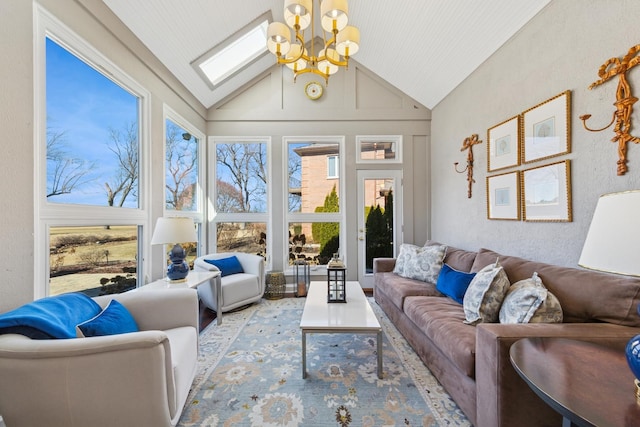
column 175, row 230
column 613, row 246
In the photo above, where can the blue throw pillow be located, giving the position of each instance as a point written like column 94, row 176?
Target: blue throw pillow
column 227, row 266
column 453, row 283
column 114, row 319
column 51, row 317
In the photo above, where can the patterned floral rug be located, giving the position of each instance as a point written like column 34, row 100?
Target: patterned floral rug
column 250, row 374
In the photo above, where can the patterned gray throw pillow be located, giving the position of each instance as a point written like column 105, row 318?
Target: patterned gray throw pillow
column 485, row 294
column 424, row 263
column 528, row 301
column 406, row 252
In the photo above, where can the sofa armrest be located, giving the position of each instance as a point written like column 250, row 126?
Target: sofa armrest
column 253, row 264
column 201, row 265
column 159, row 309
column 122, row 379
column 383, row 265
column 503, row 398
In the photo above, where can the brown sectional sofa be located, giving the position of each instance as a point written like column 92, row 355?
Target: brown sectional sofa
column 472, row 362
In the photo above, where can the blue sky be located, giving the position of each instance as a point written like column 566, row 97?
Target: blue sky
column 84, row 104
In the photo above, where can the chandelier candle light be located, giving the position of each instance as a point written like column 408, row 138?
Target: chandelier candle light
column 175, row 230
column 299, row 14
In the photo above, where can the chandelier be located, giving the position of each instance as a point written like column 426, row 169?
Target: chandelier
column 343, row 40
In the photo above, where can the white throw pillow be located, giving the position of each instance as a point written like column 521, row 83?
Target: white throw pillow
column 528, row 301
column 485, row 294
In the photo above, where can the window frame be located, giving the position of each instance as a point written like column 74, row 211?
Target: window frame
column 311, row 217
column 394, row 139
column 58, row 214
column 214, row 217
column 199, row 214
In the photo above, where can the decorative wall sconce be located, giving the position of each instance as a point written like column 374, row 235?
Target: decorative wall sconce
column 624, row 103
column 468, row 144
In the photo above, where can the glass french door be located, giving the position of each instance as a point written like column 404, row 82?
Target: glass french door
column 379, row 219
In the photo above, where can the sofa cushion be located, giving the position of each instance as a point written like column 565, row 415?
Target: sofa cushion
column 585, row 295
column 441, row 319
column 453, row 283
column 422, row 263
column 528, row 301
column 397, row 288
column 227, row 266
column 51, row 317
column 460, row 259
column 485, row 294
column 114, row 319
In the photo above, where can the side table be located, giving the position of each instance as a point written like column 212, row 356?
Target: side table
column 193, row 280
column 588, row 384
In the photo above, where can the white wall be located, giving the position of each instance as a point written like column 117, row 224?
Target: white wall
column 561, row 49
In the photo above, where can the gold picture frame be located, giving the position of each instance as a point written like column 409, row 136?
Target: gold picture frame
column 546, row 129
column 503, row 196
column 546, row 193
column 503, row 148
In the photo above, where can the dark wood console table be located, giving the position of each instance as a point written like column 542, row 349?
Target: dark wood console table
column 588, row 384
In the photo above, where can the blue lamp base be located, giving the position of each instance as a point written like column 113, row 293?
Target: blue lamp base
column 178, row 270
column 632, row 352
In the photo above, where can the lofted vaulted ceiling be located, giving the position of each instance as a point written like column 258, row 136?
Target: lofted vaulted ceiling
column 425, row 48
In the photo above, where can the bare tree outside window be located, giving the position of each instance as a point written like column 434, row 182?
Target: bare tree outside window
column 64, row 172
column 124, row 183
column 243, row 166
column 181, row 168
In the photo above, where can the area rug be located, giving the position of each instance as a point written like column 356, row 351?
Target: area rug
column 250, row 374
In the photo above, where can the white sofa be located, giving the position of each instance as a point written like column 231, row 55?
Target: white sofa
column 136, row 379
column 236, row 289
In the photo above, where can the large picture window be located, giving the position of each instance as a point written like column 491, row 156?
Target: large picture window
column 183, row 177
column 92, row 134
column 314, row 214
column 240, row 194
column 91, row 186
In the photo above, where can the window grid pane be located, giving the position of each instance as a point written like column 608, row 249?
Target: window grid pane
column 92, row 134
column 95, row 260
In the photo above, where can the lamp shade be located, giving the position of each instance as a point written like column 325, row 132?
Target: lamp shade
column 298, row 12
column 174, row 230
column 278, row 38
column 334, row 14
column 613, row 241
column 348, row 41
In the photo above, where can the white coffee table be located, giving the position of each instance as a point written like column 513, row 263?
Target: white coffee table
column 353, row 317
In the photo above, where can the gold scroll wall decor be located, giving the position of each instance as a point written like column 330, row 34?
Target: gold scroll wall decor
column 624, row 102
column 468, row 144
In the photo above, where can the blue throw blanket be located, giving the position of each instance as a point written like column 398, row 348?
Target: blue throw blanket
column 52, row 317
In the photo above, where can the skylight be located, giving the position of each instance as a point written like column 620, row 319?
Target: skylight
column 233, row 54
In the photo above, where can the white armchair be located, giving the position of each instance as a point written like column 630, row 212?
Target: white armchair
column 137, row 379
column 236, row 289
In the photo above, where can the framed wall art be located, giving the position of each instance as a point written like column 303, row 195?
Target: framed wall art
column 504, row 145
column 503, row 196
column 546, row 129
column 546, row 192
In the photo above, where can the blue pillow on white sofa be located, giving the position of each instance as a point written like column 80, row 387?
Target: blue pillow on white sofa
column 114, row 319
column 227, row 266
